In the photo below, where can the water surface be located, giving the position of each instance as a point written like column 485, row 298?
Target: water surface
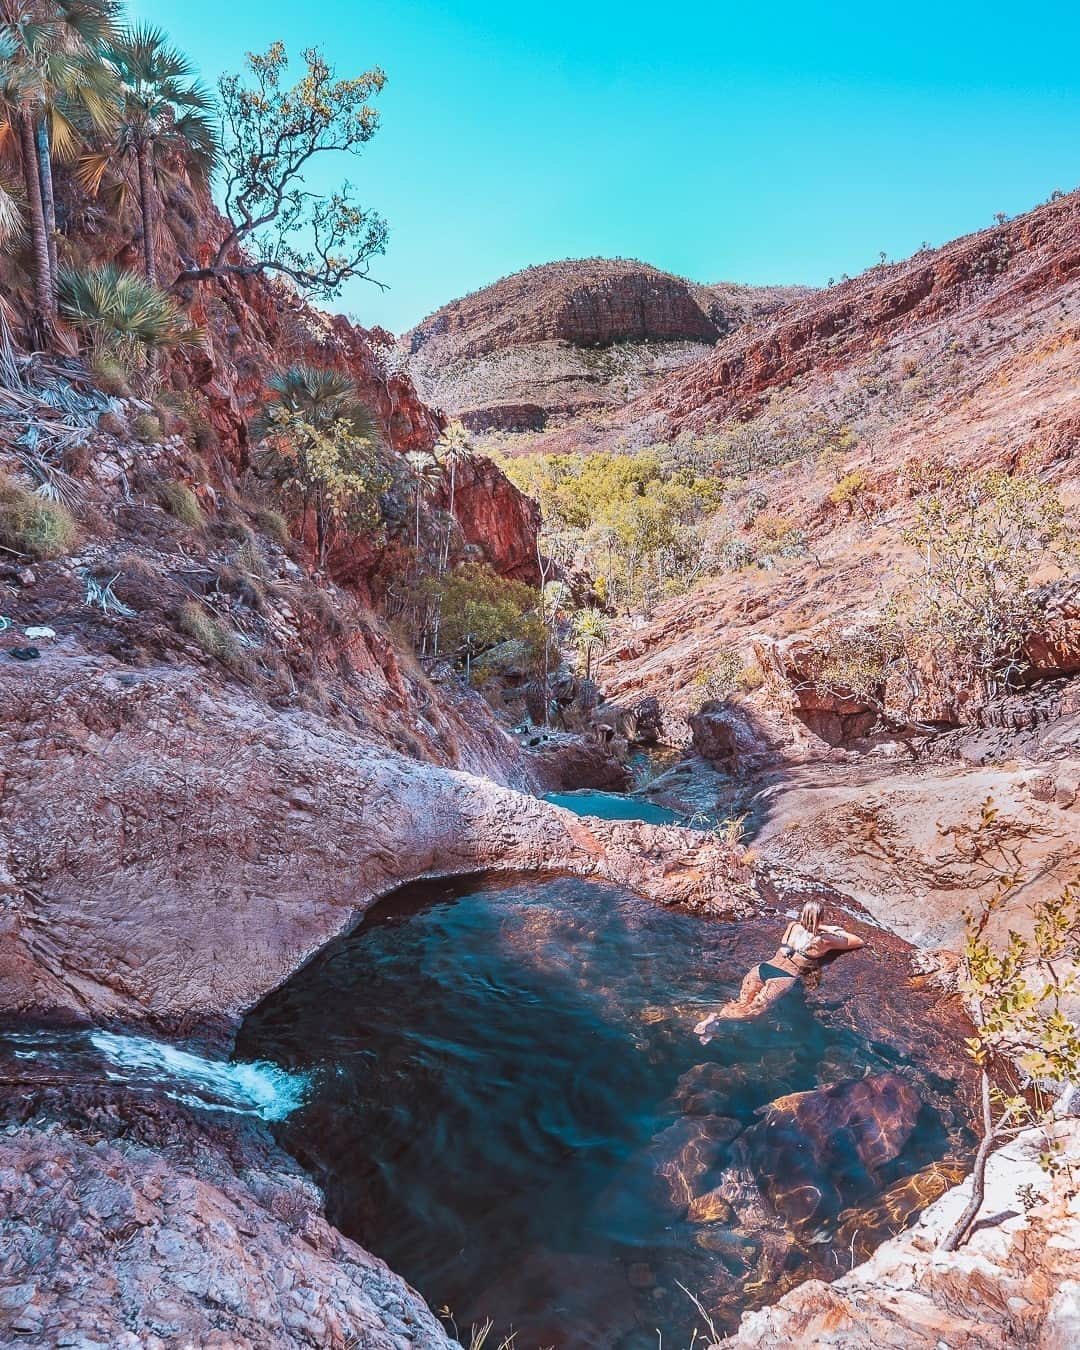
column 613, row 806
column 506, row 1103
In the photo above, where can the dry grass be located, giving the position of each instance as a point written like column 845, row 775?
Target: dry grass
column 31, row 526
column 210, row 634
column 179, row 500
column 273, row 524
column 147, row 427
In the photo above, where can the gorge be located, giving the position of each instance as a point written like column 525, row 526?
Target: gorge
column 404, row 742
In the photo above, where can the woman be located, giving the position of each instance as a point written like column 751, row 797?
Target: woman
column 804, row 945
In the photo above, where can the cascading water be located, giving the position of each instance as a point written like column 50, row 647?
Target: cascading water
column 145, row 1065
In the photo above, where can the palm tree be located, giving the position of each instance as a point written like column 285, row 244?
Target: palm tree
column 163, row 120
column 123, row 313
column 323, row 402
column 53, row 80
column 452, row 448
column 318, row 394
column 592, row 628
column 426, row 476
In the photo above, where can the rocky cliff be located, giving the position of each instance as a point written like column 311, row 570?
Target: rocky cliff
column 567, row 336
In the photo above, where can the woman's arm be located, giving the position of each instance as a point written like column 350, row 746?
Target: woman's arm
column 839, row 939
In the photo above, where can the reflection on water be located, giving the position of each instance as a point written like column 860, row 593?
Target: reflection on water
column 511, row 1109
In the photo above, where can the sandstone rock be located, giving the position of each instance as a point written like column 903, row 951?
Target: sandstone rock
column 724, row 733
column 564, row 762
column 567, row 336
column 163, row 872
column 175, row 1241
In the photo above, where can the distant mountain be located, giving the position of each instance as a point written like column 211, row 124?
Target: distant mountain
column 557, row 340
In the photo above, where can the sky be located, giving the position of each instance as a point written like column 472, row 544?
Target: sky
column 724, row 142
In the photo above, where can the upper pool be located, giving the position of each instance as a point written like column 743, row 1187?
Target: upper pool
column 507, row 1103
column 613, row 806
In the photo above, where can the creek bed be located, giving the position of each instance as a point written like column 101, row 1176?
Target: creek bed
column 506, row 1102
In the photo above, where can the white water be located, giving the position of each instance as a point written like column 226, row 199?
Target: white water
column 258, row 1088
column 144, row 1064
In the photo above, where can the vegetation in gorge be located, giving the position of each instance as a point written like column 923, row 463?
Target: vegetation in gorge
column 982, row 540
column 477, row 610
column 57, row 88
column 634, row 521
column 270, row 136
column 30, row 525
column 162, row 127
column 320, row 446
column 123, row 317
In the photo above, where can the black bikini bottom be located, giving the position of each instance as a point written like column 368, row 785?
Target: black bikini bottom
column 768, row 971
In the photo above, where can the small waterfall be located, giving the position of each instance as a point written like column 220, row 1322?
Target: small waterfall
column 248, row 1088
column 251, row 1088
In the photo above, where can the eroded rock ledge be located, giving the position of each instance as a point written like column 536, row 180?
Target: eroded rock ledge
column 173, row 851
column 140, row 1226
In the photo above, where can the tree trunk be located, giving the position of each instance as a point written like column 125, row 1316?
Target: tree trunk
column 959, row 1230
column 148, row 207
column 450, row 519
column 48, row 198
column 39, row 238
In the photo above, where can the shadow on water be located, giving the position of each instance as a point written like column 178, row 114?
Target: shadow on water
column 507, row 1104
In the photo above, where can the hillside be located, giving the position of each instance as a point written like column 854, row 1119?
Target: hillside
column 568, row 336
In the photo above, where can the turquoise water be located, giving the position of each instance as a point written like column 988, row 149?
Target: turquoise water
column 613, row 806
column 506, row 1102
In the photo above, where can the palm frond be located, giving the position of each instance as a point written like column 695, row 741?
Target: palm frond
column 12, row 219
column 90, row 170
column 64, row 138
column 119, row 305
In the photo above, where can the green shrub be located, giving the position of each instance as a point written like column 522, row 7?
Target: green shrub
column 123, row 315
column 32, row 525
column 208, row 633
column 147, row 427
column 727, row 675
column 179, row 500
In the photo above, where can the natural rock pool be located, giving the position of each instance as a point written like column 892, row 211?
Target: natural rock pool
column 507, row 1103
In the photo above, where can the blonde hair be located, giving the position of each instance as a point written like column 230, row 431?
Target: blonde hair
column 811, row 914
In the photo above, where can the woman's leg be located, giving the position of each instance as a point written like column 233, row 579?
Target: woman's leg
column 753, row 985
column 771, row 991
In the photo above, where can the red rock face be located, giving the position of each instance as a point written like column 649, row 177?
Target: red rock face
column 524, row 348
column 497, row 518
column 1021, row 258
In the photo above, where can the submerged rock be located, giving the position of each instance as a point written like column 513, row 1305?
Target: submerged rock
column 812, row 1150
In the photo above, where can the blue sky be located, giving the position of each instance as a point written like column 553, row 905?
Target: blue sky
column 787, row 143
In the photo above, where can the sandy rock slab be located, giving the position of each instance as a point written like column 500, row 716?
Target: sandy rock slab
column 111, row 1243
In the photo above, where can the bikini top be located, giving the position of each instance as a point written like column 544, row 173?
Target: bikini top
column 791, row 950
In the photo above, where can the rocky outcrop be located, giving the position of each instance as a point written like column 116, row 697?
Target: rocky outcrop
column 497, row 519
column 1014, row 1285
column 177, row 849
column 835, row 714
column 532, row 345
column 141, row 1226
